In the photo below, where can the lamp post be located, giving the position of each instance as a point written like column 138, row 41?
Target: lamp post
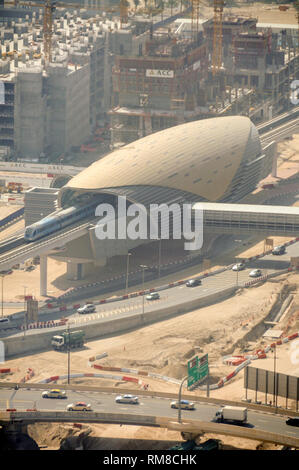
column 180, row 397
column 143, row 266
column 160, row 250
column 25, row 312
column 127, row 273
column 25, row 287
column 68, row 356
column 2, row 278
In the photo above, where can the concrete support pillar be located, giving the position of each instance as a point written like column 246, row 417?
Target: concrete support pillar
column 43, row 274
column 78, row 271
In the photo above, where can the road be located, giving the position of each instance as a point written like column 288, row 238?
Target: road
column 170, row 297
column 155, row 406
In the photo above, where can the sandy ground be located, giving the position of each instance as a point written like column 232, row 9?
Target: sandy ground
column 165, row 348
column 266, row 13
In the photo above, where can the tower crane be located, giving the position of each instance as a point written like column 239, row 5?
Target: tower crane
column 217, row 29
column 50, row 6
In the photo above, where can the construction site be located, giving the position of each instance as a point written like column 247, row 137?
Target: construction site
column 88, row 77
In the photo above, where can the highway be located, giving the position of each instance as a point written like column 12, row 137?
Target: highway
column 154, row 406
column 170, row 297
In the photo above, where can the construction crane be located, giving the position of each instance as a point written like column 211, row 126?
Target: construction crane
column 217, row 35
column 217, row 30
column 50, row 6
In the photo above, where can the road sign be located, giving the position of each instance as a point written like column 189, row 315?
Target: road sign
column 198, row 370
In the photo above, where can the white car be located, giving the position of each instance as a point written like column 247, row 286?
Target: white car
column 130, row 399
column 87, row 308
column 153, row 296
column 255, row 273
column 79, row 406
column 238, row 267
column 55, row 393
column 185, row 404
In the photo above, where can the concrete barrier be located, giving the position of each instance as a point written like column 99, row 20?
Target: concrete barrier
column 19, row 345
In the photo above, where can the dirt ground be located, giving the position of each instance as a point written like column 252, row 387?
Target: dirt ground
column 222, row 329
column 265, row 13
column 164, row 348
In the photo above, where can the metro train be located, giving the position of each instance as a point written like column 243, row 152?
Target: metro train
column 57, row 220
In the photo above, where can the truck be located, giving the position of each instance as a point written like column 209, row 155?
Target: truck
column 72, row 339
column 235, row 414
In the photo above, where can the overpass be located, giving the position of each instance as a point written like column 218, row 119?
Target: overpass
column 217, row 218
column 261, row 419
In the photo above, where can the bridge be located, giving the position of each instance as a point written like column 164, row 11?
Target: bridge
column 217, row 218
column 264, row 419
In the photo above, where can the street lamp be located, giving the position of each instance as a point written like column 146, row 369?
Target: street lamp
column 25, row 287
column 127, row 274
column 180, row 397
column 160, row 248
column 143, row 266
column 25, row 312
column 68, row 355
column 2, row 278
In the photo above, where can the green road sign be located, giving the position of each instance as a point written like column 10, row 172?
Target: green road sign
column 198, row 370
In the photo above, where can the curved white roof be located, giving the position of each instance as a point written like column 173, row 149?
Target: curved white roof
column 200, row 157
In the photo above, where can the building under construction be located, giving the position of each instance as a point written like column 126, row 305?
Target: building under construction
column 64, row 83
column 159, row 87
column 168, row 78
column 48, row 108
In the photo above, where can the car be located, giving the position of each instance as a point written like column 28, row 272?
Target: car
column 5, row 272
column 129, row 399
column 153, row 296
column 185, row 404
column 279, row 250
column 79, row 406
column 293, row 421
column 55, row 393
column 255, row 273
column 193, row 282
column 238, row 267
column 87, row 308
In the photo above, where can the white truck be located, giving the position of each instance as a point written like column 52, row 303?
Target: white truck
column 234, row 414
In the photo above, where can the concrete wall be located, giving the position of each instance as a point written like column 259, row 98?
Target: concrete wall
column 15, row 346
